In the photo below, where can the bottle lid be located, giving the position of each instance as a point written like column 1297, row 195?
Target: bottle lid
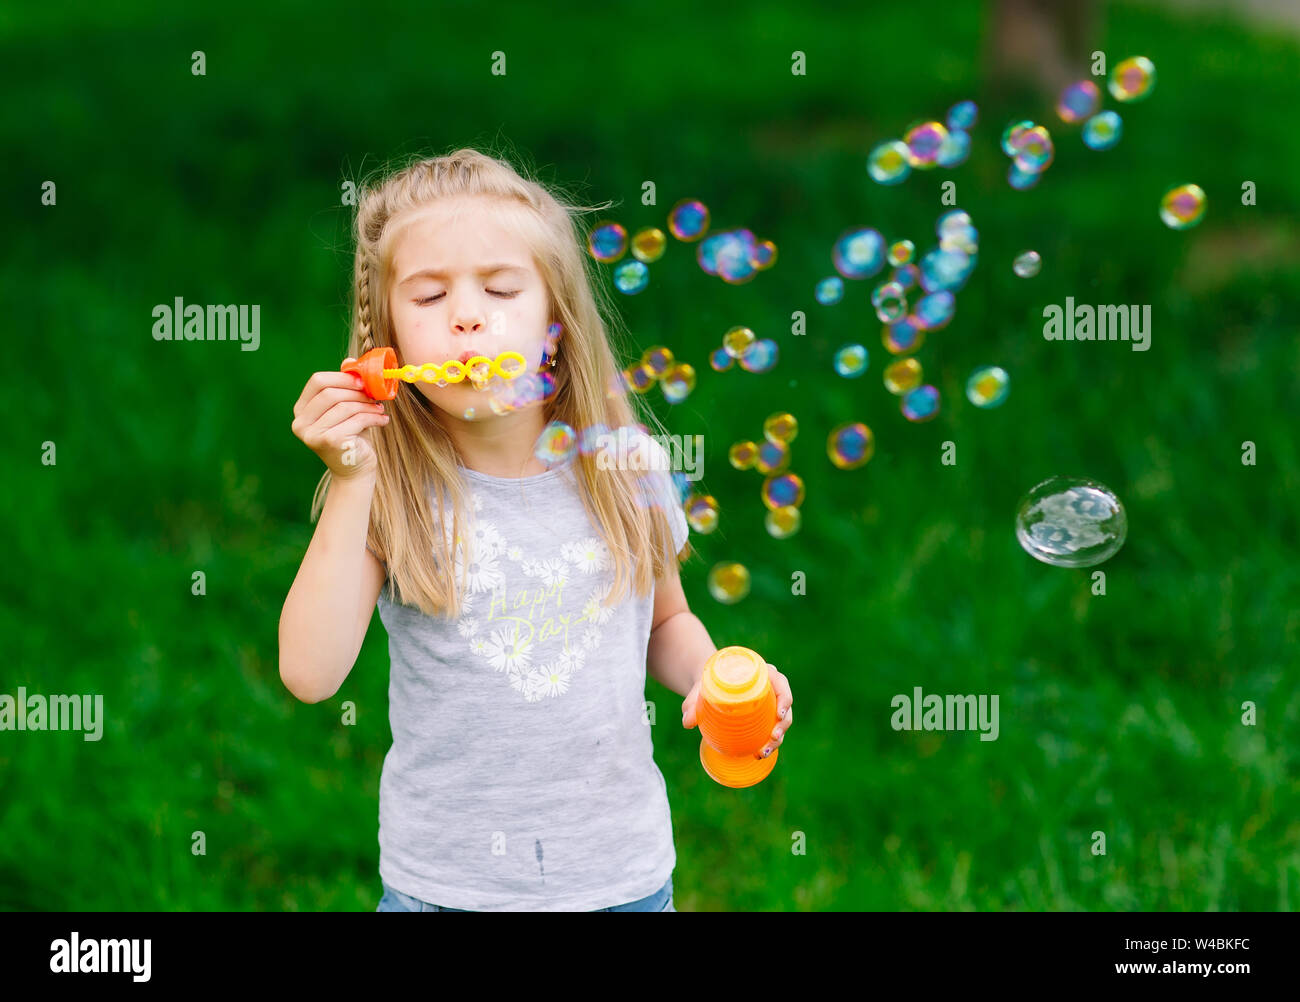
column 734, row 675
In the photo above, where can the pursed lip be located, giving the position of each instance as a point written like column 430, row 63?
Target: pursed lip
column 466, row 356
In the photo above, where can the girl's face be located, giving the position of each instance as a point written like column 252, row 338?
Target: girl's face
column 463, row 284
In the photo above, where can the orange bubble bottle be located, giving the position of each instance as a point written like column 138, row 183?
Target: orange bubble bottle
column 736, row 713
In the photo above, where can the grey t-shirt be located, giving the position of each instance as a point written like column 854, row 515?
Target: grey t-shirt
column 521, row 775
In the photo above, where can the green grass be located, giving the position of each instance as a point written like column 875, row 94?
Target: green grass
column 1119, row 714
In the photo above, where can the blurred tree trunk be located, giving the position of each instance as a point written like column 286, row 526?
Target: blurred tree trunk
column 1045, row 44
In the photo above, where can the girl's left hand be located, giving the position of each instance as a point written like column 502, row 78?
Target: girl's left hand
column 784, row 699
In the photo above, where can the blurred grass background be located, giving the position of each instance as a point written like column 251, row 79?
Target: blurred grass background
column 1119, row 714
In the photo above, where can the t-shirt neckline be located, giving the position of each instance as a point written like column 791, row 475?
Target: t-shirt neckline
column 536, row 478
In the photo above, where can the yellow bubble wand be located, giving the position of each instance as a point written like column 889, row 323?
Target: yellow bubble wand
column 380, row 372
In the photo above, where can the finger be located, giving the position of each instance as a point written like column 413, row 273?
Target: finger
column 354, row 426
column 321, row 380
column 327, row 398
column 322, row 431
column 784, row 697
column 776, row 737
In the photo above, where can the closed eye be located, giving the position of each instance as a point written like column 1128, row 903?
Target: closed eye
column 491, row 292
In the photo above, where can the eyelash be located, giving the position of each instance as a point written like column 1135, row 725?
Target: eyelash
column 432, row 299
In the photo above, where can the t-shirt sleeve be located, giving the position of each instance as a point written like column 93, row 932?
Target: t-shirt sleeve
column 667, row 495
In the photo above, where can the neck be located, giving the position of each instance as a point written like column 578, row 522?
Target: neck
column 502, row 445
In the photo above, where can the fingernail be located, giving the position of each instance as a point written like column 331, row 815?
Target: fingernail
column 767, row 752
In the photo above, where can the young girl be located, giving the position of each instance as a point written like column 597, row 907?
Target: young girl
column 524, row 602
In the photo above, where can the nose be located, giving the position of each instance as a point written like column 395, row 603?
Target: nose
column 467, row 324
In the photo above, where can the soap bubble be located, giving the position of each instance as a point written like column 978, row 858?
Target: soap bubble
column 720, row 360
column 783, row 489
column 829, row 291
column 945, row 270
column 659, row 358
column 923, row 142
column 850, row 445
column 988, row 386
column 648, row 244
column 763, row 255
column 1071, row 522
column 640, row 377
column 729, row 582
column 1182, row 207
column 1079, row 101
column 1011, row 135
column 556, row 443
column 955, row 149
column 901, row 252
column 962, row 115
column 761, row 356
column 773, row 457
column 742, row 455
column 1132, row 79
column 920, row 404
column 908, row 276
column 737, row 341
column 702, row 513
column 688, row 220
column 934, row 311
column 851, row 361
column 783, row 522
column 1102, row 131
column 631, row 277
column 781, row 427
column 1034, row 150
column 592, row 439
column 607, row 242
column 678, row 382
column 904, row 337
column 890, row 301
column 1021, row 180
column 889, row 162
column 858, row 253
column 1027, row 264
column 902, row 375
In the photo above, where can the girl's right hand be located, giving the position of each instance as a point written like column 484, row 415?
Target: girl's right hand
column 329, row 417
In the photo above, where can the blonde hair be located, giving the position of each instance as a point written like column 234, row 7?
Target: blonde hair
column 414, row 451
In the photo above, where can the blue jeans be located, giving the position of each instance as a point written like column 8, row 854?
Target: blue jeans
column 395, row 901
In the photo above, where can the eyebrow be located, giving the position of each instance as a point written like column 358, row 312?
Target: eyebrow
column 483, row 272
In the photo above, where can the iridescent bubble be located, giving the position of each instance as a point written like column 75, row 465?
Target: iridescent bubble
column 783, row 490
column 781, row 427
column 1071, row 522
column 720, row 360
column 773, row 457
column 850, row 445
column 682, row 484
column 955, row 150
column 902, row 375
column 783, row 522
column 763, row 255
column 688, row 220
column 934, row 311
column 607, row 242
column 962, row 115
column 737, row 341
column 945, row 270
column 1027, row 264
column 920, row 404
column 904, row 337
column 593, row 439
column 760, row 357
column 631, row 277
column 890, row 301
column 829, row 291
column 1182, row 207
column 858, row 253
column 889, row 163
column 956, row 232
column 678, row 382
column 923, row 142
column 735, row 258
column 556, row 443
column 1078, row 101
column 640, row 377
column 617, row 384
column 901, row 252
column 659, row 358
column 702, row 513
column 729, row 582
column 1034, row 150
column 1020, row 180
column 1102, row 131
column 1011, row 134
column 851, row 361
column 1133, row 79
column 908, row 276
column 988, row 386
column 648, row 244
column 742, row 455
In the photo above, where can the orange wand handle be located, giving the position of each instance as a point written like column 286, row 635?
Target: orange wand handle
column 370, row 367
column 737, row 711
